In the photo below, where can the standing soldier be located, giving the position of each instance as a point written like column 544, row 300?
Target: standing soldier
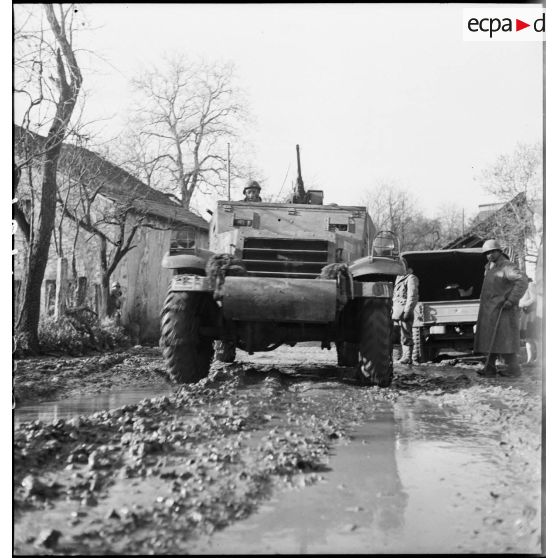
column 528, row 305
column 405, row 298
column 497, row 330
column 115, row 302
column 252, row 192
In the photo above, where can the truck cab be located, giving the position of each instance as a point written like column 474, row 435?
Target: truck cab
column 290, row 240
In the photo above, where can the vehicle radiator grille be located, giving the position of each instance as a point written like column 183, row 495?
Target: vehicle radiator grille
column 278, row 257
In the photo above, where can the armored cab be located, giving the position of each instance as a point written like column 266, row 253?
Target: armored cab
column 283, row 273
column 290, row 240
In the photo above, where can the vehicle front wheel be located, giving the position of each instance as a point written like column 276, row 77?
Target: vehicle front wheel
column 376, row 365
column 187, row 353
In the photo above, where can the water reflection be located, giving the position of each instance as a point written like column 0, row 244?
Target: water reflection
column 359, row 507
column 67, row 408
column 416, row 478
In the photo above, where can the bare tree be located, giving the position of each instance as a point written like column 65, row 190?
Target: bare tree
column 113, row 222
column 453, row 223
column 519, row 172
column 422, row 233
column 515, row 179
column 512, row 225
column 391, row 208
column 186, row 112
column 48, row 75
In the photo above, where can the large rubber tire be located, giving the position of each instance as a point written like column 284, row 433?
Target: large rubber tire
column 347, row 353
column 421, row 352
column 376, row 365
column 418, row 345
column 187, row 353
column 225, row 351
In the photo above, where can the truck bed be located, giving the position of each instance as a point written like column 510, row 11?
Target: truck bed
column 446, row 312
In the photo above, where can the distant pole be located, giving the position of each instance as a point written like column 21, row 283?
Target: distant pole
column 229, row 171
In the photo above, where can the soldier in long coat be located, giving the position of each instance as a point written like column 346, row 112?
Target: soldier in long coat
column 504, row 285
column 405, row 298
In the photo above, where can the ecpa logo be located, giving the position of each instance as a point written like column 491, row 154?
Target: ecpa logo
column 503, row 24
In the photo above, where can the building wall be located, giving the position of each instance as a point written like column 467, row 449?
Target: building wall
column 143, row 280
column 86, row 254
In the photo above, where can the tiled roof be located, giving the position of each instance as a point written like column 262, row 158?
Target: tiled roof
column 473, row 237
column 119, row 185
column 168, row 211
column 171, row 212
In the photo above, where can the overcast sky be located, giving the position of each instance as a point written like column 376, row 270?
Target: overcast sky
column 370, row 92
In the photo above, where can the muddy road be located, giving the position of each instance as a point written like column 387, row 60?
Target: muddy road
column 281, row 452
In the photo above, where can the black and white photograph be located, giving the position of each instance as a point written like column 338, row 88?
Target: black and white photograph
column 278, row 279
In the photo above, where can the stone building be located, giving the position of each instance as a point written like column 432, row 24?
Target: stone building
column 115, row 203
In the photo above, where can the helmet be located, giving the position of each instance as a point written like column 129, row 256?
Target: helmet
column 490, row 245
column 115, row 285
column 252, row 184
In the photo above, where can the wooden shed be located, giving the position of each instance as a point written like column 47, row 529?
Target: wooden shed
column 160, row 221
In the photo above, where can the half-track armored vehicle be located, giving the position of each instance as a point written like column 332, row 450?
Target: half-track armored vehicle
column 283, row 273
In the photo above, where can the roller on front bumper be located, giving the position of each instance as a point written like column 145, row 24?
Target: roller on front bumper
column 281, row 299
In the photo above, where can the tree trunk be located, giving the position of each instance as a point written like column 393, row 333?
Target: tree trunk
column 105, row 293
column 28, row 322
column 105, row 279
column 81, row 291
column 186, row 198
column 48, row 296
column 97, row 302
column 61, row 287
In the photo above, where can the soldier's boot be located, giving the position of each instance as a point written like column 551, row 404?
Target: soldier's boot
column 490, row 370
column 407, row 357
column 512, row 370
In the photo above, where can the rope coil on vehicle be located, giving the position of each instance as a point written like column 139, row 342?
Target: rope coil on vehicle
column 218, row 267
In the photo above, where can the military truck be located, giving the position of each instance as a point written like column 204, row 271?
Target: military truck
column 283, row 273
column 450, row 283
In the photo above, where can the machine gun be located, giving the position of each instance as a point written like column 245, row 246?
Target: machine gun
column 300, row 193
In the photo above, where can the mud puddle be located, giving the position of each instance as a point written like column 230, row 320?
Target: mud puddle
column 264, row 457
column 414, row 479
column 49, row 411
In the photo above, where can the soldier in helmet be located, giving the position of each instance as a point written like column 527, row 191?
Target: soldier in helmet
column 115, row 301
column 252, row 192
column 497, row 330
column 405, row 299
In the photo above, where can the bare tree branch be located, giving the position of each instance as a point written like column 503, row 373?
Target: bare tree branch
column 192, row 110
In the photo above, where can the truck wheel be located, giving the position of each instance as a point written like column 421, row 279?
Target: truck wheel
column 225, row 351
column 187, row 353
column 347, row 353
column 421, row 351
column 418, row 345
column 376, row 365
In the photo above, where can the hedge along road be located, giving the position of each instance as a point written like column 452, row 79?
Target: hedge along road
column 279, row 452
